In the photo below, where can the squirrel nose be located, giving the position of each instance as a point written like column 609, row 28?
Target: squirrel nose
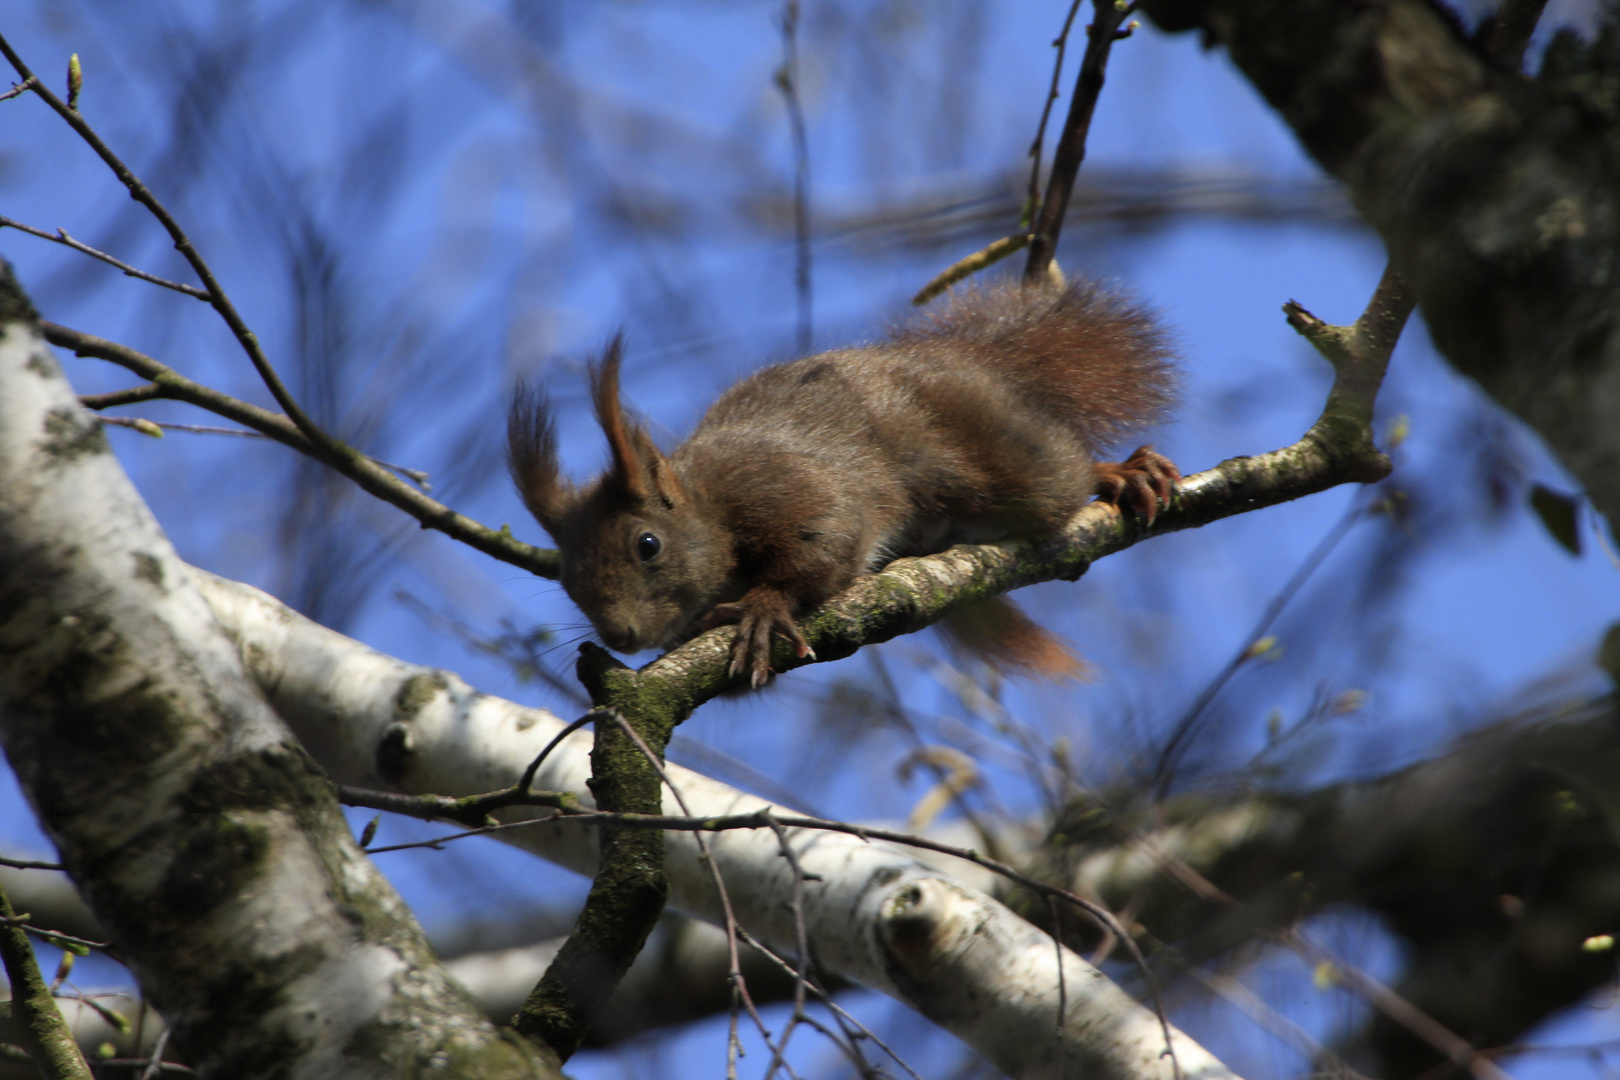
column 619, row 635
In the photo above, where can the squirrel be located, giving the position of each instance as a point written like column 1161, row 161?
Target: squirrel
column 981, row 421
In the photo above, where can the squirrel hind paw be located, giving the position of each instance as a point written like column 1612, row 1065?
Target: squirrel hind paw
column 1144, row 482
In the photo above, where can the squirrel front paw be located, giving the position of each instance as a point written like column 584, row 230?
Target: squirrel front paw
column 1145, row 481
column 761, row 615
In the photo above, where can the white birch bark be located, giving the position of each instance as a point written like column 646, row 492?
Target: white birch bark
column 877, row 915
column 198, row 830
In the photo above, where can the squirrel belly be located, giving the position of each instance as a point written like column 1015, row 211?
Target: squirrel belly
column 981, row 422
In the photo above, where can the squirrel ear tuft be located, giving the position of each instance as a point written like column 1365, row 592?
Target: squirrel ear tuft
column 531, row 457
column 639, row 469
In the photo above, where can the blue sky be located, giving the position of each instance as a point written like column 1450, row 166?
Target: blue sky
column 456, row 175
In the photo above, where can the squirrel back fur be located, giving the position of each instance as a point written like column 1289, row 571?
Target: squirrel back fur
column 978, row 422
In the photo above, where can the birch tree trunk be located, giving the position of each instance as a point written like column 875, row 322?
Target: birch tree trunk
column 204, row 838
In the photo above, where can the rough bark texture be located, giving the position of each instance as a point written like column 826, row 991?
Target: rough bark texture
column 628, row 892
column 204, row 838
column 1498, row 195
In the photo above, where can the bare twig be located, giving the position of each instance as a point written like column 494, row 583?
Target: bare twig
column 473, row 811
column 540, row 758
column 28, row 864
column 136, row 1063
column 115, row 398
column 18, row 89
column 801, row 937
column 1280, row 1026
column 61, row 237
column 416, row 476
column 1403, row 1012
column 372, row 476
column 317, row 443
column 424, row 807
column 1181, row 735
column 56, row 937
column 1360, row 356
column 988, row 255
column 1071, row 150
column 787, row 81
column 1398, row 1009
column 156, row 1065
column 325, row 446
column 1032, row 200
column 839, row 1013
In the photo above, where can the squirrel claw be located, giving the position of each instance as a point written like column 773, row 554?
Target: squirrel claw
column 761, row 616
column 1145, row 482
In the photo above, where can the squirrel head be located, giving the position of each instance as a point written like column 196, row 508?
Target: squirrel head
column 640, row 555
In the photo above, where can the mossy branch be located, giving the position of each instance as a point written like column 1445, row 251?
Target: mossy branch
column 628, row 893
column 36, row 1020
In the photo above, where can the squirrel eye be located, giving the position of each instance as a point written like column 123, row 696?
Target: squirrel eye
column 648, row 545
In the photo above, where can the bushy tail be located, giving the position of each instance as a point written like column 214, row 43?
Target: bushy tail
column 1090, row 357
column 998, row 633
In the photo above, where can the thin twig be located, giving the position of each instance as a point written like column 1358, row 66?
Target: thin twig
column 1403, row 1012
column 371, row 476
column 1182, row 733
column 19, row 88
column 157, row 1055
column 114, row 398
column 421, row 806
column 1360, row 355
column 28, row 864
column 534, row 766
column 325, row 445
column 1397, row 1008
column 833, row 1007
column 1032, row 200
column 135, row 1063
column 56, row 937
column 1071, row 150
column 986, row 256
column 801, row 936
column 319, row 444
column 139, row 423
column 1280, row 1026
column 61, row 237
column 787, row 81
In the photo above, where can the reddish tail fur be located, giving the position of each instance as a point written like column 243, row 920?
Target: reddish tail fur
column 1097, row 362
column 998, row 633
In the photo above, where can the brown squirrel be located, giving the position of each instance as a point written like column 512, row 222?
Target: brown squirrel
column 982, row 421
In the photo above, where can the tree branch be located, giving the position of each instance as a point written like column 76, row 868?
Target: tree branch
column 1498, row 196
column 35, row 1018
column 372, row 476
column 872, row 914
column 1071, row 149
column 61, row 237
